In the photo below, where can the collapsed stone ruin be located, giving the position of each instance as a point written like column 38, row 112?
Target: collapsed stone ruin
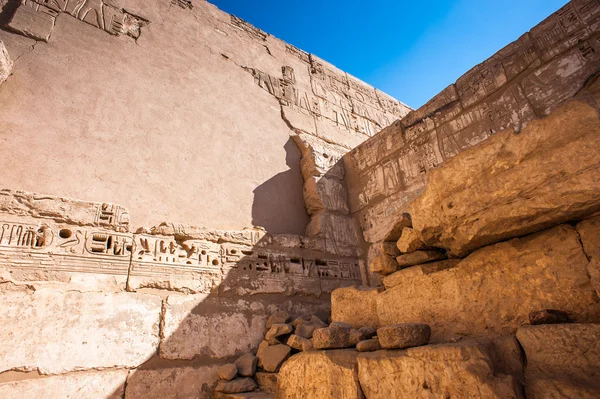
column 286, row 230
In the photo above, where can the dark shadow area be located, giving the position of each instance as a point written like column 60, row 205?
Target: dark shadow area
column 279, row 203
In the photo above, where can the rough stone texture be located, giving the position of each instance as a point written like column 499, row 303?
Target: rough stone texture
column 56, row 332
column 395, row 279
column 171, row 383
column 320, row 374
column 548, row 316
column 6, row 63
column 456, row 371
column 228, row 372
column 236, row 386
column 33, row 20
column 383, row 265
column 344, row 306
column 563, row 360
column 589, row 231
column 337, row 336
column 267, row 382
column 507, row 355
column 299, row 343
column 418, row 258
column 306, row 330
column 367, row 332
column 106, row 385
column 494, row 289
column 279, row 317
column 400, row 336
column 410, row 241
column 246, row 365
column 270, row 358
column 369, row 345
column 278, row 330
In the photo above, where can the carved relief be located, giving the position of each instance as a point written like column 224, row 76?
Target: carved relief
column 33, row 20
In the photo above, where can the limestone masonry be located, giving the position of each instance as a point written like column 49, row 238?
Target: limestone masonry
column 191, row 208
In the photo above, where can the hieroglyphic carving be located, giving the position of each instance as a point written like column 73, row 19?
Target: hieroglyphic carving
column 33, row 20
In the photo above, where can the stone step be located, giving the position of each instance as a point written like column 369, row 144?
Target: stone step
column 246, row 395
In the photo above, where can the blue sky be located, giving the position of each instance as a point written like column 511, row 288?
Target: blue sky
column 411, row 50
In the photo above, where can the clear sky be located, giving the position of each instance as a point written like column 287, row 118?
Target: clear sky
column 411, row 50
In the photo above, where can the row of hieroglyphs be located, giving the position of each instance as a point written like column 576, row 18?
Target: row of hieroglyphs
column 36, row 18
column 524, row 80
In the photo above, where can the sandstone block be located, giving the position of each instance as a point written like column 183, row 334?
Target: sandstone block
column 344, row 302
column 395, row 279
column 419, row 257
column 568, row 354
column 33, row 20
column 367, row 332
column 410, row 241
column 320, row 374
column 456, row 371
column 548, row 316
column 236, row 386
column 299, row 343
column 270, row 358
column 493, row 290
column 174, row 382
column 279, row 317
column 336, row 336
column 306, row 330
column 369, row 345
column 384, row 265
column 228, row 371
column 589, row 231
column 57, row 332
column 402, row 336
column 512, row 185
column 507, row 355
column 6, row 63
column 267, row 382
column 246, row 365
column 108, row 384
column 278, row 330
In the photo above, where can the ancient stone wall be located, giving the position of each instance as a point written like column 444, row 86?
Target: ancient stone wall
column 173, row 108
column 525, row 80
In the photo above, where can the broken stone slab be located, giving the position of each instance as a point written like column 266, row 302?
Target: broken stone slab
column 62, row 327
column 320, row 374
column 6, row 64
column 279, row 317
column 271, row 357
column 278, row 330
column 461, row 370
column 383, row 265
column 228, row 371
column 177, row 381
column 307, row 329
column 543, row 270
column 548, row 316
column 246, row 365
column 33, row 20
column 512, row 185
column 267, row 382
column 337, row 336
column 369, row 345
column 418, row 258
column 395, row 279
column 410, row 241
column 589, row 231
column 299, row 343
column 561, row 356
column 344, row 302
column 236, row 386
column 385, row 248
column 103, row 384
column 402, row 336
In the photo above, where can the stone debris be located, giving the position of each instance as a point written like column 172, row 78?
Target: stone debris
column 279, row 317
column 278, row 330
column 246, row 365
column 369, row 345
column 402, row 336
column 267, row 382
column 418, row 258
column 337, row 336
column 6, row 64
column 299, row 343
column 383, row 265
column 236, row 386
column 410, row 241
column 548, row 316
column 271, row 357
column 228, row 372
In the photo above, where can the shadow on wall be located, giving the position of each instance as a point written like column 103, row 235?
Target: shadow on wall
column 278, row 203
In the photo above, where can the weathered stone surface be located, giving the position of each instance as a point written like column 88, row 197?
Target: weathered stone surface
column 278, row 330
column 512, row 185
column 410, row 241
column 279, row 317
column 246, row 365
column 458, row 371
column 344, row 306
column 236, row 386
column 367, row 332
column 243, row 395
column 418, row 258
column 337, row 336
column 271, row 357
column 320, row 374
column 383, row 265
column 566, row 353
column 6, row 63
column 171, row 383
column 548, row 316
column 56, row 331
column 228, row 371
column 33, row 20
column 299, row 343
column 494, row 289
column 507, row 355
column 369, row 345
column 108, row 384
column 267, row 382
column 400, row 336
column 306, row 329
column 395, row 279
column 589, row 231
